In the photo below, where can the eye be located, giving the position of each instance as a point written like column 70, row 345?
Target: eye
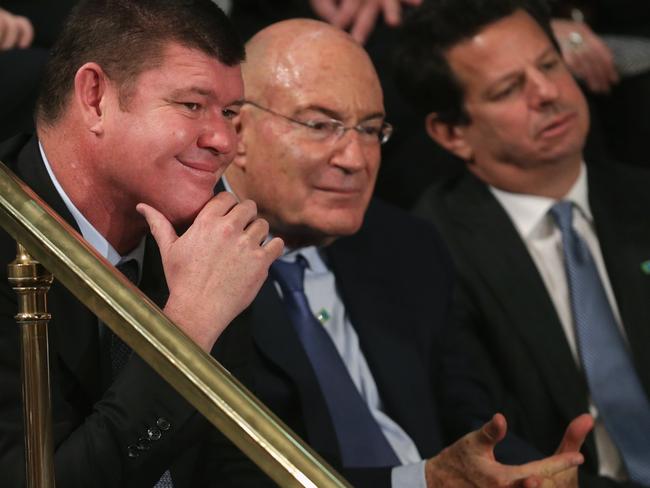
column 324, row 126
column 192, row 106
column 230, row 113
column 550, row 64
column 372, row 131
column 506, row 91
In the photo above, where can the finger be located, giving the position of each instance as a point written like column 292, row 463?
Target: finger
column 606, row 61
column 258, row 230
column 576, row 433
column 243, row 214
column 492, row 432
column 274, row 248
column 221, row 204
column 364, row 23
column 392, row 12
column 26, row 32
column 347, row 12
column 547, row 467
column 161, row 229
column 10, row 34
column 325, row 9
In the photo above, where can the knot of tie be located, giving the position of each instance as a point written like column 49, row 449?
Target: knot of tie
column 129, row 269
column 290, row 275
column 562, row 212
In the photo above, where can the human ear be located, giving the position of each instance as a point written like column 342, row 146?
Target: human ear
column 90, row 84
column 450, row 136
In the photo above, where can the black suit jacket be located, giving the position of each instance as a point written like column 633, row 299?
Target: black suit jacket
column 93, row 425
column 503, row 300
column 394, row 277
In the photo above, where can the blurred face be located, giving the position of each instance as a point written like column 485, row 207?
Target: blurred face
column 526, row 109
column 312, row 191
column 176, row 136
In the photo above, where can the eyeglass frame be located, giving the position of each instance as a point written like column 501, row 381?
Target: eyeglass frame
column 385, row 132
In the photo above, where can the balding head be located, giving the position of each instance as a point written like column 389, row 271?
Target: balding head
column 312, row 184
column 290, row 54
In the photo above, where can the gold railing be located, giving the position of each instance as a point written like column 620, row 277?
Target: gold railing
column 194, row 374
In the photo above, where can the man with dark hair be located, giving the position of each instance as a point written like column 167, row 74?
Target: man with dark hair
column 551, row 252
column 346, row 340
column 134, row 129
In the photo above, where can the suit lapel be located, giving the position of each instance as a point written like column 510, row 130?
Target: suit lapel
column 380, row 320
column 74, row 329
column 505, row 266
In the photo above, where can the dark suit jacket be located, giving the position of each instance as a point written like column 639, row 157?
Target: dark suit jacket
column 394, row 277
column 504, row 302
column 93, row 425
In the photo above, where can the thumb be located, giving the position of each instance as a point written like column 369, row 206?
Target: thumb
column 160, row 227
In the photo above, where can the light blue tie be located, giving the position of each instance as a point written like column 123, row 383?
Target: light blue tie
column 613, row 383
column 361, row 441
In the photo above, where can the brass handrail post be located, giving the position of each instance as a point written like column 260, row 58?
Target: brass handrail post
column 31, row 281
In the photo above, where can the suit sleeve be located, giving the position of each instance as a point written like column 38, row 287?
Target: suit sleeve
column 94, row 438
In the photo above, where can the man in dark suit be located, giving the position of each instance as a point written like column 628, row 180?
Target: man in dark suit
column 346, row 341
column 137, row 110
column 551, row 253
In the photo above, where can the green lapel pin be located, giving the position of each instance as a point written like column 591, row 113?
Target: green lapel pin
column 323, row 316
column 645, row 267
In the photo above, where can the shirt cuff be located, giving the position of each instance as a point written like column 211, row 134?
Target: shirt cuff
column 408, row 476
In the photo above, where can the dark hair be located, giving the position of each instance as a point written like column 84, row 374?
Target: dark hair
column 422, row 71
column 127, row 37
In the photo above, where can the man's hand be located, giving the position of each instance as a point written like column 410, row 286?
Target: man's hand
column 15, row 31
column 359, row 16
column 586, row 55
column 470, row 462
column 215, row 269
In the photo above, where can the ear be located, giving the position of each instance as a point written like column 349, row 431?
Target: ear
column 90, row 91
column 240, row 156
column 451, row 137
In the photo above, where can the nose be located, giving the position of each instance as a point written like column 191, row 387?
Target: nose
column 350, row 153
column 218, row 135
column 542, row 89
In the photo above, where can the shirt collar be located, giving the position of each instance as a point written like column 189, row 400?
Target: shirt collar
column 89, row 233
column 528, row 211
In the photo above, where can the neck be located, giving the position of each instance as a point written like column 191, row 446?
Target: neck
column 549, row 180
column 113, row 217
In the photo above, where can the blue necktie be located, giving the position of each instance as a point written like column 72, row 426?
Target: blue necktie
column 121, row 352
column 361, row 441
column 614, row 385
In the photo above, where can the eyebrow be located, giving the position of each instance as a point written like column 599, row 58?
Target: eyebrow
column 335, row 114
column 181, row 92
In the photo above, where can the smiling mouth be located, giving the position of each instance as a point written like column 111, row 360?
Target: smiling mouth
column 200, row 167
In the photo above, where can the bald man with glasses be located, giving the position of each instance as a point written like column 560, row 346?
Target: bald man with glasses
column 345, row 340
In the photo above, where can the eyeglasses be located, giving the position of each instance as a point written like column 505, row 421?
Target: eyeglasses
column 370, row 132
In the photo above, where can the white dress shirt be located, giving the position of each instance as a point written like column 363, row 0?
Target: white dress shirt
column 530, row 216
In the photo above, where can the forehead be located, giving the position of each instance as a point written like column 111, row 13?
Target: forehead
column 500, row 49
column 183, row 69
column 336, row 75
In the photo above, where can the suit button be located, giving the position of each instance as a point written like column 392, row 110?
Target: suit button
column 143, row 444
column 154, row 434
column 163, row 424
column 133, row 451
